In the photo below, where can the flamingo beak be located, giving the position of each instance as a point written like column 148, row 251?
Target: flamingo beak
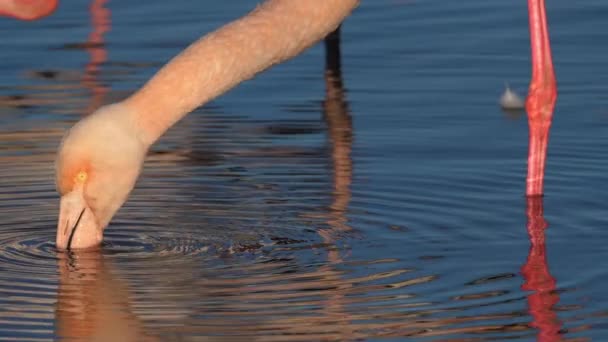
column 77, row 227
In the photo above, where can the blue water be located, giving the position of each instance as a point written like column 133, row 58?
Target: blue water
column 292, row 208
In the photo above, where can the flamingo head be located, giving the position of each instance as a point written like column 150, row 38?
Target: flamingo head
column 98, row 163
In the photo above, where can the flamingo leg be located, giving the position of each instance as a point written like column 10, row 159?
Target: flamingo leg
column 541, row 97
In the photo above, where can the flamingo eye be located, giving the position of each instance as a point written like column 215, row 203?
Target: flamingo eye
column 81, row 177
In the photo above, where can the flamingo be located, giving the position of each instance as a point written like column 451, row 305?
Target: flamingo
column 27, row 9
column 101, row 156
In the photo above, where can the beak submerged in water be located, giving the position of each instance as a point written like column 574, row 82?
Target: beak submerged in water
column 77, row 227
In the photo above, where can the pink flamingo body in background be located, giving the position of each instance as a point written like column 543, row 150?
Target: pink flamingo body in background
column 27, row 9
column 101, row 157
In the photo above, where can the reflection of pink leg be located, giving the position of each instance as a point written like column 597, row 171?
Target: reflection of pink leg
column 537, row 277
column 541, row 97
column 27, row 9
column 100, row 18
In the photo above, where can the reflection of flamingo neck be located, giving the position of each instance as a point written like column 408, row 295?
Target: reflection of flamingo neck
column 537, row 277
column 92, row 304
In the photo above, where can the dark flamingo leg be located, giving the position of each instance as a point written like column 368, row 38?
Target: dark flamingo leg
column 541, row 97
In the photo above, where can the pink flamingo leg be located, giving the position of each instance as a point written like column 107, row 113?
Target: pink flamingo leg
column 541, row 97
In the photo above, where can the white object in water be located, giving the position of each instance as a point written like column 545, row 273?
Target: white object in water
column 510, row 100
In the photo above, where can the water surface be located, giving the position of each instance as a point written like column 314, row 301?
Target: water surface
column 382, row 202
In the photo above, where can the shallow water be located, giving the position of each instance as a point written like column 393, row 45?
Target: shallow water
column 383, row 203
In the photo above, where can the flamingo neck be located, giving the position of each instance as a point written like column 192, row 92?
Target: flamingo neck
column 274, row 32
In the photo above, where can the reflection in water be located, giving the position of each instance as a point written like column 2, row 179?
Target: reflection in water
column 266, row 298
column 100, row 20
column 537, row 277
column 513, row 114
column 59, row 93
column 92, row 304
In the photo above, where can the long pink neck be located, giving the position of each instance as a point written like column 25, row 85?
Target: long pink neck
column 274, row 32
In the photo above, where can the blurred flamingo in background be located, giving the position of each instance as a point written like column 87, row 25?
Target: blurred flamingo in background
column 101, row 156
column 95, row 46
column 28, row 9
